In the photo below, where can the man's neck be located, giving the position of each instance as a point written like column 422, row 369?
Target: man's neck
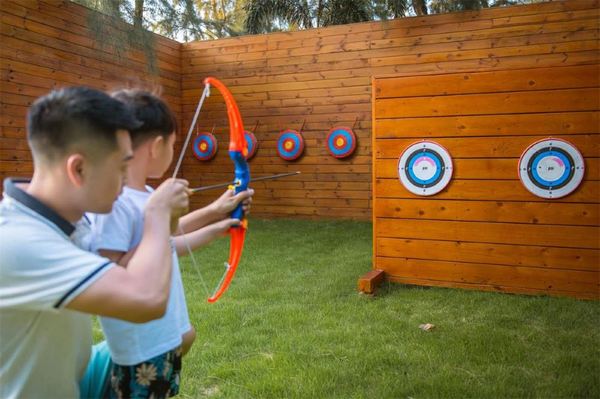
column 52, row 194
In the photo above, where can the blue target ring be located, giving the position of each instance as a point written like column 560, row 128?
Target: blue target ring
column 290, row 145
column 252, row 143
column 341, row 142
column 205, row 146
column 542, row 155
column 427, row 156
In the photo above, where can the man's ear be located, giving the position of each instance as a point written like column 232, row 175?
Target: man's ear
column 75, row 169
column 156, row 146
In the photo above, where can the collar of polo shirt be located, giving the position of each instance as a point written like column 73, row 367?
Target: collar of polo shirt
column 12, row 190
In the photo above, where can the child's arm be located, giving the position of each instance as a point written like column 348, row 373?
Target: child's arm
column 202, row 236
column 216, row 211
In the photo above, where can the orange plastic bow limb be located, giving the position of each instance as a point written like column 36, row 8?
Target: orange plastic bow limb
column 238, row 150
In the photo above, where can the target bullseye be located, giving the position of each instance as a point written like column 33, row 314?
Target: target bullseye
column 341, row 142
column 425, row 168
column 290, row 145
column 551, row 168
column 205, row 146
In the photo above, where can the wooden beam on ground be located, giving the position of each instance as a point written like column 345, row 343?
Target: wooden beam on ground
column 369, row 282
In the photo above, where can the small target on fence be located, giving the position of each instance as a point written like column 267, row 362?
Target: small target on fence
column 290, row 145
column 341, row 142
column 205, row 146
column 252, row 144
column 551, row 168
column 425, row 168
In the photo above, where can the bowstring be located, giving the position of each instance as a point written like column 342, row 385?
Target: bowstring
column 205, row 93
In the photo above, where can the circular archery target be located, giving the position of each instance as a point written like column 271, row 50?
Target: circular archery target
column 205, row 146
column 290, row 145
column 551, row 168
column 252, row 143
column 341, row 142
column 425, row 168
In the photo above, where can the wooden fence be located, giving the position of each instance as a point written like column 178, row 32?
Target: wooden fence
column 48, row 44
column 485, row 230
column 322, row 78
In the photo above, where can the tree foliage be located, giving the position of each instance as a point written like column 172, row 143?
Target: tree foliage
column 183, row 20
column 188, row 20
column 271, row 15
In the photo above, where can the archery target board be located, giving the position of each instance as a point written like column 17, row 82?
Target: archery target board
column 425, row 168
column 205, row 146
column 252, row 143
column 290, row 145
column 551, row 168
column 341, row 142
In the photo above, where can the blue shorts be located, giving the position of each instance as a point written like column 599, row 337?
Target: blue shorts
column 94, row 384
column 155, row 378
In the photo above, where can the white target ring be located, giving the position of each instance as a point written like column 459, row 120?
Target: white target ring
column 425, row 168
column 551, row 168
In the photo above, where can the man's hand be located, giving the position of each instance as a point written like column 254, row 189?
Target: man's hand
column 172, row 196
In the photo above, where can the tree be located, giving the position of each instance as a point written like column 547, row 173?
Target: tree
column 184, row 20
column 271, row 15
column 443, row 6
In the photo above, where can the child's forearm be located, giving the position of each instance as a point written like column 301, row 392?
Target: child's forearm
column 198, row 219
column 196, row 239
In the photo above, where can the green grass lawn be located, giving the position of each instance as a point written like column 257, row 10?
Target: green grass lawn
column 292, row 325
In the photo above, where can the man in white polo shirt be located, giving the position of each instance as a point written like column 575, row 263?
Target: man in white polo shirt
column 48, row 286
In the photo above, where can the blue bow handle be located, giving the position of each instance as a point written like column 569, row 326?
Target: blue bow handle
column 241, row 181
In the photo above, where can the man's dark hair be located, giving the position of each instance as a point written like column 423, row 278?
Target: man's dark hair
column 76, row 117
column 156, row 116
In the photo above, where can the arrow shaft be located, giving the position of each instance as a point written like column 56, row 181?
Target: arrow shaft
column 214, row 186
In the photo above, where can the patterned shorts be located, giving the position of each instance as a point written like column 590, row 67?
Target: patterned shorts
column 156, row 378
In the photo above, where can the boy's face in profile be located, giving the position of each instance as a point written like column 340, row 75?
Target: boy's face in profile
column 106, row 176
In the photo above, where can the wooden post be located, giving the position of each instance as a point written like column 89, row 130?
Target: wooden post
column 369, row 283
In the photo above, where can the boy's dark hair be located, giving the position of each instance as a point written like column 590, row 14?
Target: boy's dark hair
column 76, row 117
column 156, row 116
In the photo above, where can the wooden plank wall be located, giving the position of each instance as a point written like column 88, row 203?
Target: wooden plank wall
column 46, row 45
column 323, row 77
column 485, row 230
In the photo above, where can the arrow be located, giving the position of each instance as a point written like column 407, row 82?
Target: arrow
column 197, row 189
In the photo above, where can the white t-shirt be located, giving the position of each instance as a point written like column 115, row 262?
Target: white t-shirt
column 132, row 343
column 44, row 347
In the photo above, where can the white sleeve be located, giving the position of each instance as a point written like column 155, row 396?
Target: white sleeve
column 42, row 271
column 114, row 231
